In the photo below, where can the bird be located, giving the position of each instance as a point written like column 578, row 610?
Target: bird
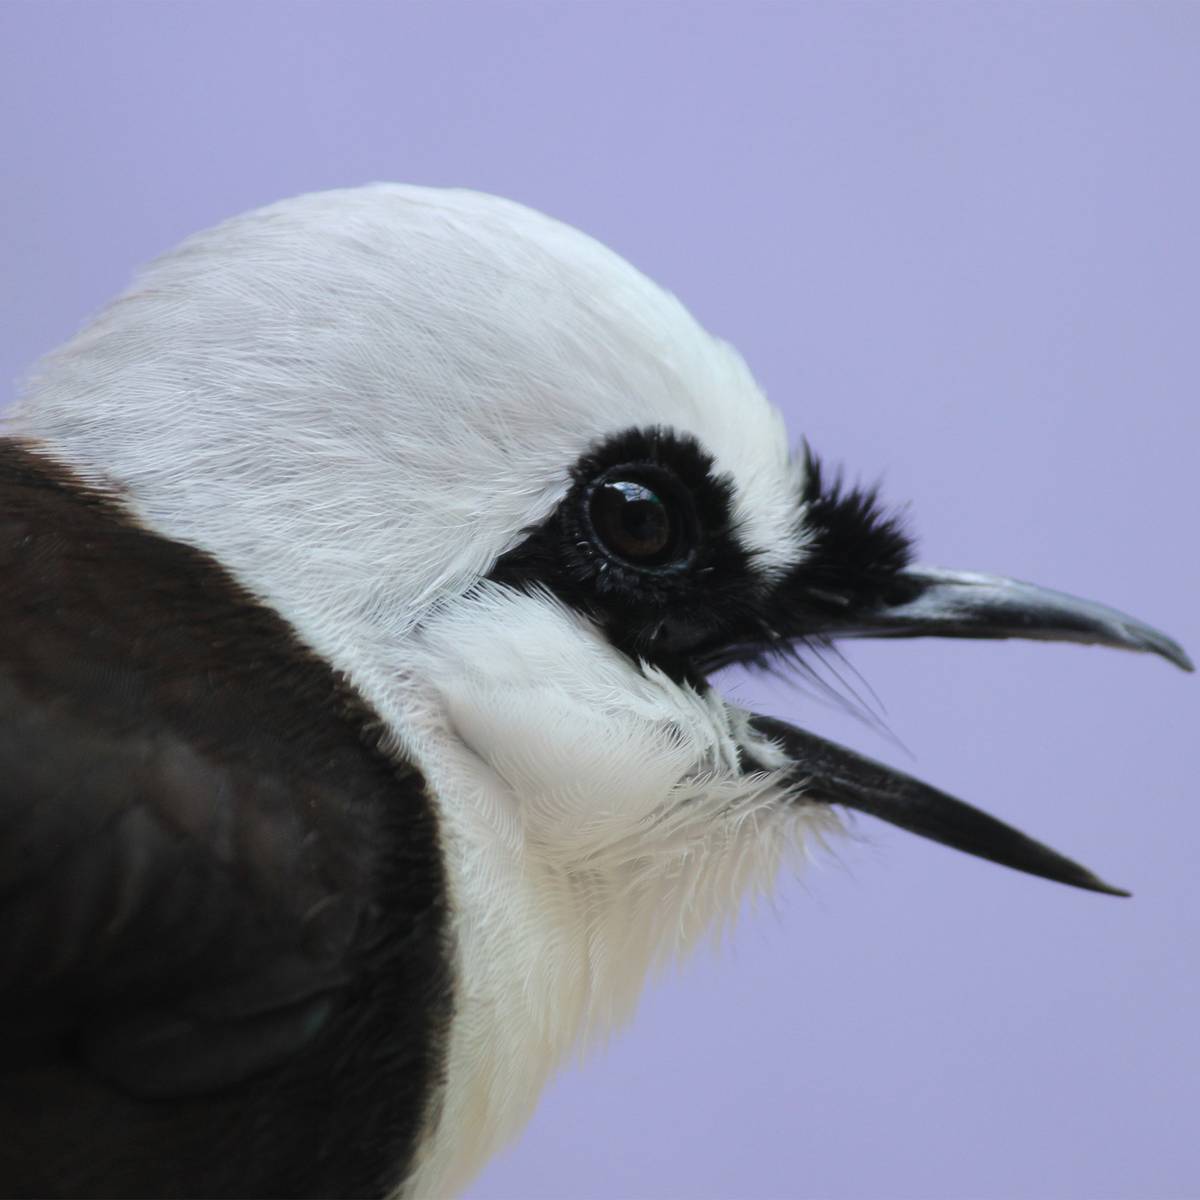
column 364, row 567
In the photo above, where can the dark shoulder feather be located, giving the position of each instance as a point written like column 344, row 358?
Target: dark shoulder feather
column 222, row 910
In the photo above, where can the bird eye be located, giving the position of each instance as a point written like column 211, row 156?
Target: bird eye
column 636, row 523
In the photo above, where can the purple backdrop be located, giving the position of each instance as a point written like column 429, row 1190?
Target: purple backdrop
column 959, row 246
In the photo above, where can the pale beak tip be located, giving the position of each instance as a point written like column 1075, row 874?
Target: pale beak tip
column 1144, row 637
column 1179, row 656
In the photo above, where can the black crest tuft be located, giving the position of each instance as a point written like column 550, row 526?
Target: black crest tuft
column 856, row 545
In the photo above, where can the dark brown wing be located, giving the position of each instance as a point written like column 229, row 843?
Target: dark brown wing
column 222, row 913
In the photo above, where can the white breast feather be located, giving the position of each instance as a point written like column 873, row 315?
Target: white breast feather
column 601, row 826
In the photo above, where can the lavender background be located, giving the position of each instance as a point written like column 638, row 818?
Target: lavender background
column 958, row 244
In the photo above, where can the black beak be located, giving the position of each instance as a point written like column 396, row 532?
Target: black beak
column 929, row 602
column 831, row 774
column 932, row 603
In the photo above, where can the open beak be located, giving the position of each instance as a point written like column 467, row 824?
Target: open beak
column 927, row 602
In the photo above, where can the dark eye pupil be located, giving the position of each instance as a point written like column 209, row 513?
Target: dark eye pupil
column 633, row 521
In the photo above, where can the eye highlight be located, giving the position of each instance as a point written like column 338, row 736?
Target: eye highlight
column 639, row 521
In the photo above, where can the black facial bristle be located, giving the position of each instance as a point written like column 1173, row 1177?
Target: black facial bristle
column 854, row 539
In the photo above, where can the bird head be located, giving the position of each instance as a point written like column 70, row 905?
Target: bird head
column 516, row 494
